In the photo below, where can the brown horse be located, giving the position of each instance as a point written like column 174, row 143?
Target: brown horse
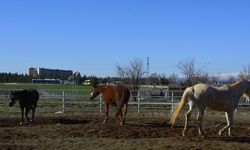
column 117, row 95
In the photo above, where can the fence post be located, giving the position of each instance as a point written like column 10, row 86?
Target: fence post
column 172, row 100
column 100, row 105
column 63, row 99
column 138, row 102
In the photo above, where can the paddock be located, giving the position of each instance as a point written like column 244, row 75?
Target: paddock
column 142, row 131
column 80, row 127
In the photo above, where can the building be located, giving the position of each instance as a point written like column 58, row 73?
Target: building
column 50, row 73
column 47, row 81
column 33, row 72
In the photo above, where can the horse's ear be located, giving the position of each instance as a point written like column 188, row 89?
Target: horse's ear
column 95, row 84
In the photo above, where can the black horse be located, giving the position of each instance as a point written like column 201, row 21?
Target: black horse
column 27, row 100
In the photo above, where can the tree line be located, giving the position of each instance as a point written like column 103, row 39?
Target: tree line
column 135, row 74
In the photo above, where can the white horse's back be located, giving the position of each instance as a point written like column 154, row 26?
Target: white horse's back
column 217, row 98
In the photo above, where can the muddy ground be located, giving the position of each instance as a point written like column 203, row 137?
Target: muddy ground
column 142, row 131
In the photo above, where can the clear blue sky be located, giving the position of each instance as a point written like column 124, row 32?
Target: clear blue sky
column 92, row 36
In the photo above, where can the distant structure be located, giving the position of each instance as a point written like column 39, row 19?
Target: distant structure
column 50, row 73
column 75, row 78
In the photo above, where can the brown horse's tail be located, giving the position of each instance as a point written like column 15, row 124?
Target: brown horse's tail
column 180, row 105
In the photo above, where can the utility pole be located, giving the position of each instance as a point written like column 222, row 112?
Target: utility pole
column 147, row 67
column 206, row 63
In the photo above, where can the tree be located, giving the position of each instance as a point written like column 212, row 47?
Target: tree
column 187, row 67
column 192, row 75
column 214, row 78
column 132, row 74
column 202, row 77
column 154, row 79
column 173, row 79
column 246, row 72
column 163, row 79
column 231, row 79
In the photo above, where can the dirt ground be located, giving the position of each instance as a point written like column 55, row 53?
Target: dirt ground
column 142, row 131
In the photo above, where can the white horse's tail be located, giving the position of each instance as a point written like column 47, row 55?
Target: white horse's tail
column 174, row 115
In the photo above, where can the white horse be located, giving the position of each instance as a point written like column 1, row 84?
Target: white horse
column 225, row 98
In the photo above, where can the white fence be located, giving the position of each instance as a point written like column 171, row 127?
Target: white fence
column 63, row 100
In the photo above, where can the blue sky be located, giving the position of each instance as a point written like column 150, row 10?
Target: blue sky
column 93, row 36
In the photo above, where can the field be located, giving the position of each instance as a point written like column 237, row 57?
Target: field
column 57, row 89
column 81, row 130
column 43, row 86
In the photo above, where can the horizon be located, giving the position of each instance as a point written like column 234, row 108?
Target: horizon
column 221, row 76
column 92, row 37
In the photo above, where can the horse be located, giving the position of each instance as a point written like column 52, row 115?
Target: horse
column 224, row 98
column 117, row 95
column 27, row 100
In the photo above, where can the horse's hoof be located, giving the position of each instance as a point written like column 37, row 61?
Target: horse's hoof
column 122, row 124
column 219, row 133
column 204, row 136
column 183, row 134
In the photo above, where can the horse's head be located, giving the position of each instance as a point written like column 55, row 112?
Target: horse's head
column 13, row 98
column 94, row 92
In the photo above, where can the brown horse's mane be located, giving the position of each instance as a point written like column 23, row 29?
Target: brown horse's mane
column 103, row 87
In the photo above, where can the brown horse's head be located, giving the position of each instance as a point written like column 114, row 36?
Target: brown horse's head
column 94, row 92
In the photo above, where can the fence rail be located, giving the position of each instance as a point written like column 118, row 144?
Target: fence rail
column 63, row 100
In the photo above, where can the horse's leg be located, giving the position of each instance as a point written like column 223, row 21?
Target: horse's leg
column 229, row 117
column 26, row 113
column 119, row 114
column 106, row 113
column 230, row 122
column 199, row 119
column 33, row 112
column 125, row 112
column 121, row 117
column 187, row 117
column 22, row 113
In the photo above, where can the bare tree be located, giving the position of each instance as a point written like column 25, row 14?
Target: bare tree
column 158, row 79
column 202, row 77
column 187, row 67
column 173, row 79
column 132, row 74
column 214, row 78
column 191, row 73
column 246, row 72
column 154, row 79
column 163, row 79
column 231, row 79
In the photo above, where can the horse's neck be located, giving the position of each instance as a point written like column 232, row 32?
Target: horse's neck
column 238, row 89
column 102, row 89
column 20, row 95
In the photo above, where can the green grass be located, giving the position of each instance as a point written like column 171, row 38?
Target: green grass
column 53, row 89
column 43, row 86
